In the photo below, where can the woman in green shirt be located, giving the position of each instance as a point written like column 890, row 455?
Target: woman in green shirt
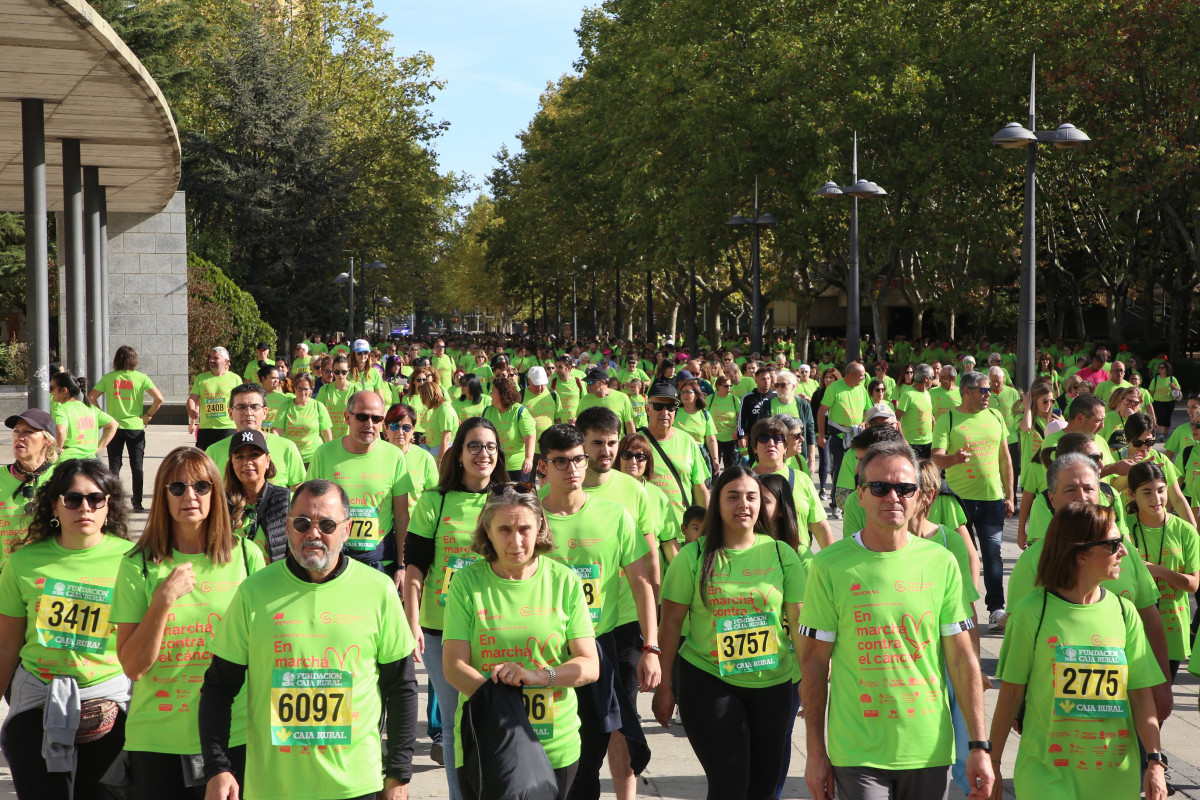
column 79, row 422
column 439, row 418
column 515, row 426
column 334, row 396
column 304, row 422
column 400, row 422
column 724, row 407
column 472, row 400
column 694, row 419
column 55, row 631
column 123, row 390
column 34, row 449
column 488, row 615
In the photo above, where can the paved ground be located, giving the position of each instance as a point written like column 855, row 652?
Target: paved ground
column 674, row 771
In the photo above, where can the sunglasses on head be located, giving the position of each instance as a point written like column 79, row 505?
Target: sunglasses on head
column 74, row 500
column 881, row 488
column 668, row 406
column 201, row 488
column 400, row 426
column 520, row 487
column 325, row 526
column 361, row 417
column 640, row 458
column 1111, row 545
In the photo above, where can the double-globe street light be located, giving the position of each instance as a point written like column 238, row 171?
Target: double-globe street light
column 759, row 220
column 1014, row 136
column 856, row 189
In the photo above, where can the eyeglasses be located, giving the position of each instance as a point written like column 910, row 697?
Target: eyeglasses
column 339, row 371
column 376, row 418
column 520, row 487
column 764, row 438
column 325, row 526
column 400, row 426
column 640, row 458
column 781, row 384
column 1142, row 442
column 253, row 408
column 562, row 462
column 984, row 391
column 475, row 448
column 201, row 488
column 672, row 406
column 74, row 500
column 1112, row 545
column 881, row 488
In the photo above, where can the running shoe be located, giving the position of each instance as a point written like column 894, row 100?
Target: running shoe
column 997, row 620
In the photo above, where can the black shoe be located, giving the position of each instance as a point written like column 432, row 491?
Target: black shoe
column 139, row 510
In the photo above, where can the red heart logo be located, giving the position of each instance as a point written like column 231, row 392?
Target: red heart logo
column 912, row 631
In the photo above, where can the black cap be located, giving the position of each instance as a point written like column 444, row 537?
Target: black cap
column 248, row 439
column 594, row 374
column 663, row 389
column 262, row 346
column 36, row 418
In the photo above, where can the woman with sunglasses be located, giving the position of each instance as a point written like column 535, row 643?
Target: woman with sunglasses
column 1123, row 402
column 736, row 705
column 399, row 425
column 438, row 545
column 724, row 406
column 769, row 442
column 1170, row 548
column 171, row 589
column 515, row 426
column 1046, row 371
column 1139, row 433
column 56, row 595
column 635, row 457
column 303, row 422
column 334, row 396
column 694, row 419
column 1165, row 392
column 1094, row 681
column 905, row 384
column 34, row 449
column 511, row 575
column 82, row 427
column 257, row 506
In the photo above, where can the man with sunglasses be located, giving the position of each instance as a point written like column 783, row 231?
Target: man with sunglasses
column 442, row 364
column 597, row 538
column 206, row 404
column 323, row 649
column 601, row 396
column 248, row 407
column 971, row 444
column 680, row 470
column 885, row 609
column 375, row 476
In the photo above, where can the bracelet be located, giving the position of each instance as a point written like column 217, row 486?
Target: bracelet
column 652, row 648
column 553, row 675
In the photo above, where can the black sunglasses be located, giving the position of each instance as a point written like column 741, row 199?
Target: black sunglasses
column 325, row 526
column 177, row 488
column 672, row 406
column 881, row 488
column 339, row 371
column 777, row 438
column 74, row 500
column 1142, row 442
column 1112, row 545
column 638, row 457
column 361, row 417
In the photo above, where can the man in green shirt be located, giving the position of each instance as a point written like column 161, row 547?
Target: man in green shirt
column 599, row 394
column 262, row 352
column 321, row 646
column 945, row 394
column 206, row 404
column 915, row 411
column 248, row 407
column 679, row 468
column 870, row 625
column 841, row 413
column 442, row 364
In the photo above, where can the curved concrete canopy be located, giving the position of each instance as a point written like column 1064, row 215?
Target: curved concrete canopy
column 95, row 90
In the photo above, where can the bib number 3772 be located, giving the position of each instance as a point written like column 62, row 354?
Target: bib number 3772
column 311, row 707
column 364, row 529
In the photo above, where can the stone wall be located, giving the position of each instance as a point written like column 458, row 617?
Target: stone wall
column 147, row 273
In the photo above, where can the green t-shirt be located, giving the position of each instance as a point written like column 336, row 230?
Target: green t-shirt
column 983, row 433
column 422, row 470
column 809, row 510
column 689, row 463
column 637, row 403
column 699, row 425
column 213, row 393
column 1052, row 653
column 944, row 400
column 83, row 428
column 276, row 401
column 1040, row 512
column 736, row 628
column 323, row 641
column 724, row 412
column 1160, row 389
column 513, row 426
column 289, row 464
column 302, row 426
column 1106, row 388
column 596, row 542
column 14, row 521
column 1175, row 546
column 371, row 480
column 335, row 401
column 916, row 422
column 885, row 614
column 66, row 598
column 439, row 421
column 949, row 539
column 569, row 391
column 629, row 493
column 545, row 408
column 1179, row 439
column 847, row 405
column 465, row 409
column 443, row 365
column 616, row 402
column 1134, row 584
column 123, row 396
column 450, row 521
column 503, row 620
column 164, row 711
column 845, row 476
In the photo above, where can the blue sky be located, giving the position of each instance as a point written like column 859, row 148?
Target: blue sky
column 496, row 58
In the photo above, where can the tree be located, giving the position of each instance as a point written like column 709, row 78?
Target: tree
column 219, row 313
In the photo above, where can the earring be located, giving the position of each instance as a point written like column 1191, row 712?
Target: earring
column 54, row 523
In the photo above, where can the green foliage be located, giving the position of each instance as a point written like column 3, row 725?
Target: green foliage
column 12, row 260
column 219, row 313
column 14, row 363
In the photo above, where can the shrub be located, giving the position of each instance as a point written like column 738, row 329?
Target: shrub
column 219, row 313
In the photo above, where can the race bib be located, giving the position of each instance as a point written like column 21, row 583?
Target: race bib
column 456, row 563
column 1091, row 682
column 310, row 707
column 589, row 575
column 539, row 708
column 74, row 616
column 747, row 644
column 364, row 529
column 214, row 407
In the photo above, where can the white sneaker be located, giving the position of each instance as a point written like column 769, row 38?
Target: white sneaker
column 997, row 620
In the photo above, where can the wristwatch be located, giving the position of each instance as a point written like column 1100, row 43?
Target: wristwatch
column 1159, row 757
column 985, row 745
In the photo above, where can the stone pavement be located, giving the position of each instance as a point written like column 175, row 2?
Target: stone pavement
column 674, row 771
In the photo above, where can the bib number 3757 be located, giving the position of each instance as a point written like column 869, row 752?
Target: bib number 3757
column 747, row 644
column 311, row 707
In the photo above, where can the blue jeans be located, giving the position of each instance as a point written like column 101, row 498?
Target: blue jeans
column 838, row 446
column 988, row 518
column 447, row 697
column 958, row 770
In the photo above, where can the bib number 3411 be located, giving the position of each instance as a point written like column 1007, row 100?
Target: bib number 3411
column 74, row 616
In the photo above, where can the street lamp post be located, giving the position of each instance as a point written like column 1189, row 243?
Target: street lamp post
column 348, row 277
column 759, row 220
column 856, row 189
column 1014, row 137
column 375, row 266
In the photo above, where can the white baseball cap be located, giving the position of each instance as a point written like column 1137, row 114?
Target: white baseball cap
column 537, row 376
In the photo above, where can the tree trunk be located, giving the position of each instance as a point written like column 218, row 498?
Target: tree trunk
column 953, row 320
column 1110, row 314
column 918, row 324
column 674, row 329
column 1077, row 310
column 1177, row 333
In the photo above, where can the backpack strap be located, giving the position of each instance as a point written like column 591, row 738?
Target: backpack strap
column 791, row 478
column 670, row 465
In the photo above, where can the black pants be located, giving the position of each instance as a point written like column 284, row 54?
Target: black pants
column 593, row 747
column 736, row 733
column 207, row 437
column 565, row 776
column 628, row 638
column 22, row 747
column 159, row 775
column 923, row 450
column 728, row 453
column 135, row 441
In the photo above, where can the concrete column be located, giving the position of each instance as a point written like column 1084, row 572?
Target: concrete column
column 72, row 293
column 106, row 352
column 37, row 289
column 94, row 266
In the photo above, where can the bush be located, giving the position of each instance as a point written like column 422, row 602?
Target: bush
column 14, row 364
column 219, row 313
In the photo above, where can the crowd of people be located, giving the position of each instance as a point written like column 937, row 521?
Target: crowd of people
column 548, row 530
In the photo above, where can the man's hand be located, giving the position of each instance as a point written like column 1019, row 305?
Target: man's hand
column 222, row 786
column 818, row 774
column 394, row 790
column 979, row 774
column 649, row 672
column 962, row 457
